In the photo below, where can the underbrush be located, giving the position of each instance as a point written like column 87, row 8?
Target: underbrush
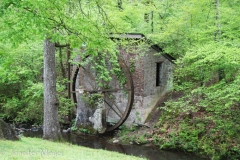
column 205, row 121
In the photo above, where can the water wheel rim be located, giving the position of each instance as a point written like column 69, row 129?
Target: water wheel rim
column 130, row 90
column 130, row 96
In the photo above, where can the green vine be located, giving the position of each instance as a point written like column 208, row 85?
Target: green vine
column 92, row 99
column 132, row 65
column 120, row 76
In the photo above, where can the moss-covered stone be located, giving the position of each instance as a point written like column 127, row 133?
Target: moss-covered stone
column 6, row 132
column 82, row 129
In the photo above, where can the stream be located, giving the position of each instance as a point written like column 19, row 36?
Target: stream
column 103, row 142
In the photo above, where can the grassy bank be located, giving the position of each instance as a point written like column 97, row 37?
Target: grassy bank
column 35, row 148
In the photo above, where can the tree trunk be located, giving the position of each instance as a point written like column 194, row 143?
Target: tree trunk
column 217, row 33
column 51, row 127
column 217, row 37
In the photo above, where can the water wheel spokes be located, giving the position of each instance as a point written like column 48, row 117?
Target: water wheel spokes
column 118, row 95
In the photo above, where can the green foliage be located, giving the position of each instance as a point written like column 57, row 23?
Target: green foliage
column 132, row 66
column 21, row 86
column 65, row 103
column 120, row 76
column 137, row 116
column 205, row 119
column 92, row 100
column 20, row 83
column 84, row 130
column 133, row 134
column 124, row 132
column 81, row 129
column 73, row 125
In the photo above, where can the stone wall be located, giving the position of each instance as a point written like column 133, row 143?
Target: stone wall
column 135, row 57
column 146, row 93
column 142, row 62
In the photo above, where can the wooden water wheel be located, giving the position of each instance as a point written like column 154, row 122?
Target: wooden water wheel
column 118, row 94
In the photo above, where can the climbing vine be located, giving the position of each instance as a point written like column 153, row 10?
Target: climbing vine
column 92, row 100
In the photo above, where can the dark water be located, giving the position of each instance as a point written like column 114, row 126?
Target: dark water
column 103, row 142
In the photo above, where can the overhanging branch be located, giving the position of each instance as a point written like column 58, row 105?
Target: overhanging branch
column 61, row 45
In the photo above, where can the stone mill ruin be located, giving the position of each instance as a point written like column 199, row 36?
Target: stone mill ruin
column 145, row 74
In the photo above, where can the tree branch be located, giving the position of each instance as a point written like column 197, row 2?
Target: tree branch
column 61, row 45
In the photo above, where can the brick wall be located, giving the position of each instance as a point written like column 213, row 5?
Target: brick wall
column 144, row 78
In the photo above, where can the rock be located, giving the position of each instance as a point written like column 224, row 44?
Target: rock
column 84, row 111
column 116, row 141
column 66, row 130
column 6, row 132
column 98, row 120
column 18, row 131
column 34, row 129
column 150, row 139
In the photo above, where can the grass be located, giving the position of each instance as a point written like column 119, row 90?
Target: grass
column 38, row 149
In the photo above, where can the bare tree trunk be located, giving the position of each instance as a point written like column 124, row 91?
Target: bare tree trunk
column 51, row 127
column 152, row 29
column 217, row 36
column 217, row 33
column 119, row 4
column 61, row 63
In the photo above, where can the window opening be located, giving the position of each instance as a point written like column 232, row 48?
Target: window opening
column 158, row 73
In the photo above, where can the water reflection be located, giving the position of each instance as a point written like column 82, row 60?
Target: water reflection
column 103, row 142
